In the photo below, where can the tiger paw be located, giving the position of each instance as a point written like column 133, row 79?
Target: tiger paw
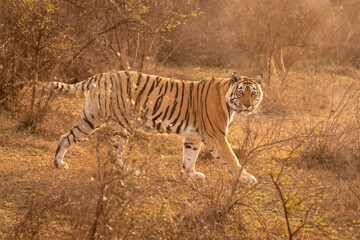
column 198, row 175
column 248, row 178
column 251, row 179
column 61, row 165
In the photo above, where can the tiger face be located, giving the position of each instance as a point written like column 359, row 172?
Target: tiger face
column 245, row 93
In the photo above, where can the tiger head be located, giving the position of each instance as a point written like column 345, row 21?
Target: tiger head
column 244, row 94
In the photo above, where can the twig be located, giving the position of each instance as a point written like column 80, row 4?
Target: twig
column 93, row 38
column 283, row 202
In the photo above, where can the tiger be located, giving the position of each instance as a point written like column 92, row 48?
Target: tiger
column 199, row 111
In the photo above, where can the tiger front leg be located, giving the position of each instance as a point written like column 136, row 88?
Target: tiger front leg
column 191, row 151
column 221, row 149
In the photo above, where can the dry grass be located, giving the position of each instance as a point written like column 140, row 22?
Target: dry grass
column 305, row 156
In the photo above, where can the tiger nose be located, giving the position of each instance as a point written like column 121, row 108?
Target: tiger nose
column 247, row 104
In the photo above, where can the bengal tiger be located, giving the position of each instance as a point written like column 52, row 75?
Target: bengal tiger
column 200, row 111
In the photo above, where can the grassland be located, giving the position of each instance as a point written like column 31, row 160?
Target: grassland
column 303, row 145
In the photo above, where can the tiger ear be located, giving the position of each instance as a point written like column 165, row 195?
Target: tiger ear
column 235, row 77
column 259, row 78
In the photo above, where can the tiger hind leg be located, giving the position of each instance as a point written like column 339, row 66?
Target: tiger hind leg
column 86, row 124
column 191, row 151
column 119, row 139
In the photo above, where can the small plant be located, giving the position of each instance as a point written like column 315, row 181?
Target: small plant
column 297, row 206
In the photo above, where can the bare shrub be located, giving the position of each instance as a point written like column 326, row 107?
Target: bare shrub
column 333, row 141
column 246, row 34
column 341, row 26
column 47, row 39
column 30, row 49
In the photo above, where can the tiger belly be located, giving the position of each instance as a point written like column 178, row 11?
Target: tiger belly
column 167, row 127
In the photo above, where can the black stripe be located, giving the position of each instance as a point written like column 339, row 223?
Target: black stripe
column 128, row 85
column 162, row 85
column 138, row 81
column 175, row 101
column 218, row 83
column 194, row 112
column 99, row 94
column 227, row 105
column 223, row 133
column 144, row 115
column 181, row 102
column 168, row 129
column 148, row 94
column 178, row 128
column 154, row 119
column 206, row 108
column 158, row 80
column 62, row 86
column 112, row 82
column 87, row 121
column 72, row 133
column 92, row 82
column 112, row 88
column 82, row 86
column 226, row 82
column 118, row 106
column 191, row 90
column 188, row 145
column 121, row 90
column 79, row 129
column 158, row 126
column 98, row 78
column 177, row 89
column 117, row 118
column 89, row 82
column 105, row 98
column 187, row 115
column 166, row 87
column 201, row 105
column 172, row 84
column 166, row 111
column 173, row 109
column 142, row 91
column 157, row 104
column 117, row 102
column 223, row 113
column 197, row 104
